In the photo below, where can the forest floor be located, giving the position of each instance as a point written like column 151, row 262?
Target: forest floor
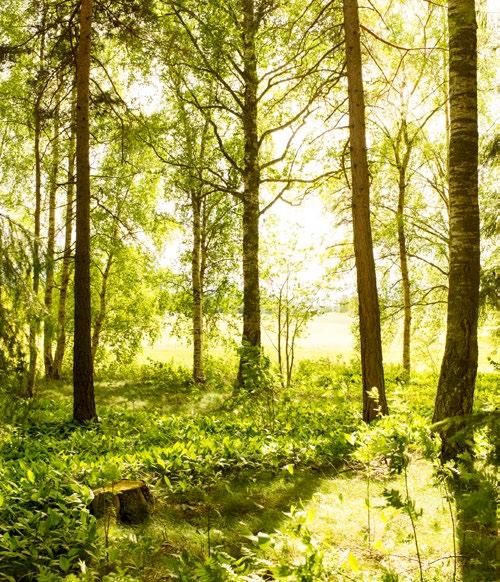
column 246, row 488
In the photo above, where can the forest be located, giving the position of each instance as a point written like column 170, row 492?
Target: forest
column 249, row 312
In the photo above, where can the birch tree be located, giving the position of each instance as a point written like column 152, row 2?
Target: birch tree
column 271, row 66
column 455, row 392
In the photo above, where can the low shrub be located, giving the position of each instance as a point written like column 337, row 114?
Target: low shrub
column 45, row 526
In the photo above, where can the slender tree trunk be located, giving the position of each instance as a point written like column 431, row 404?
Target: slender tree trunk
column 287, row 337
column 83, row 377
column 101, row 313
column 34, row 326
column 67, row 256
column 197, row 291
column 48, row 332
column 405, row 277
column 402, row 166
column 251, row 339
column 455, row 393
column 369, row 314
column 34, row 323
column 204, row 248
column 279, row 339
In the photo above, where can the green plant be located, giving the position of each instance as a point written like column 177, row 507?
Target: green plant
column 391, row 441
column 44, row 522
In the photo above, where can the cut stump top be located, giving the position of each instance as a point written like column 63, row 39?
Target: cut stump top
column 130, row 501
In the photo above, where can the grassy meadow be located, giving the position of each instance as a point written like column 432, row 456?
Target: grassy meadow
column 329, row 335
column 250, row 488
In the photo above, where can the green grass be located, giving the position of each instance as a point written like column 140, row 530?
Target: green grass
column 348, row 549
column 330, row 336
column 225, row 476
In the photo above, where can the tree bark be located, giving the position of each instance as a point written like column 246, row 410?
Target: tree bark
column 83, row 377
column 48, row 332
column 197, row 291
column 369, row 313
column 455, row 392
column 402, row 166
column 67, row 255
column 130, row 501
column 251, row 339
column 101, row 313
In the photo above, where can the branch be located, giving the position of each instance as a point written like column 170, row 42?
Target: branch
column 396, row 46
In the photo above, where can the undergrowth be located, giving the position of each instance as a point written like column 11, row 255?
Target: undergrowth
column 231, row 474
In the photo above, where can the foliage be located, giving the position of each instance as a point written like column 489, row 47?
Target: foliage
column 177, row 453
column 45, row 526
column 175, row 114
column 16, row 301
column 187, row 443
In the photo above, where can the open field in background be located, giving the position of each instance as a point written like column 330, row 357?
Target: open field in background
column 329, row 336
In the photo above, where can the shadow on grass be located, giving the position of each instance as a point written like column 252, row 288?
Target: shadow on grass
column 474, row 490
column 174, row 398
column 196, row 522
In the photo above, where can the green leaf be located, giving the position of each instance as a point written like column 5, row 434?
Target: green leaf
column 64, row 563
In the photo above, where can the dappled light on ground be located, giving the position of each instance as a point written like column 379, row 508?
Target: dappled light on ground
column 294, row 489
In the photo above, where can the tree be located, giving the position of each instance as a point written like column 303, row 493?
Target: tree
column 261, row 98
column 292, row 303
column 16, row 302
column 37, row 129
column 48, row 332
column 455, row 392
column 67, row 258
column 83, row 378
column 124, row 272
column 190, row 150
column 369, row 312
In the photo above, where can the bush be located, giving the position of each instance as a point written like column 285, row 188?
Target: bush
column 44, row 522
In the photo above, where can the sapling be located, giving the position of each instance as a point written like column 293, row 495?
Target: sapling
column 385, row 441
column 443, row 474
column 398, row 464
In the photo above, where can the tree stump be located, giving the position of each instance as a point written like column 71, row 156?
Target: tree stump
column 130, row 501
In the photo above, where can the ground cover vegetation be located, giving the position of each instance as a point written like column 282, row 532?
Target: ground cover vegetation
column 308, row 493
column 236, row 174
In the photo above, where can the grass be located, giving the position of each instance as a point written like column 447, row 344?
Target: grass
column 330, row 336
column 305, row 514
column 198, row 522
column 389, row 547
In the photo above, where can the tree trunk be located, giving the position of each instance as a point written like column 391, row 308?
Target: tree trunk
column 83, row 377
column 369, row 314
column 251, row 340
column 101, row 314
column 405, row 279
column 34, row 326
column 280, row 334
column 48, row 332
column 455, row 392
column 66, row 261
column 197, row 291
column 402, row 166
column 34, row 323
